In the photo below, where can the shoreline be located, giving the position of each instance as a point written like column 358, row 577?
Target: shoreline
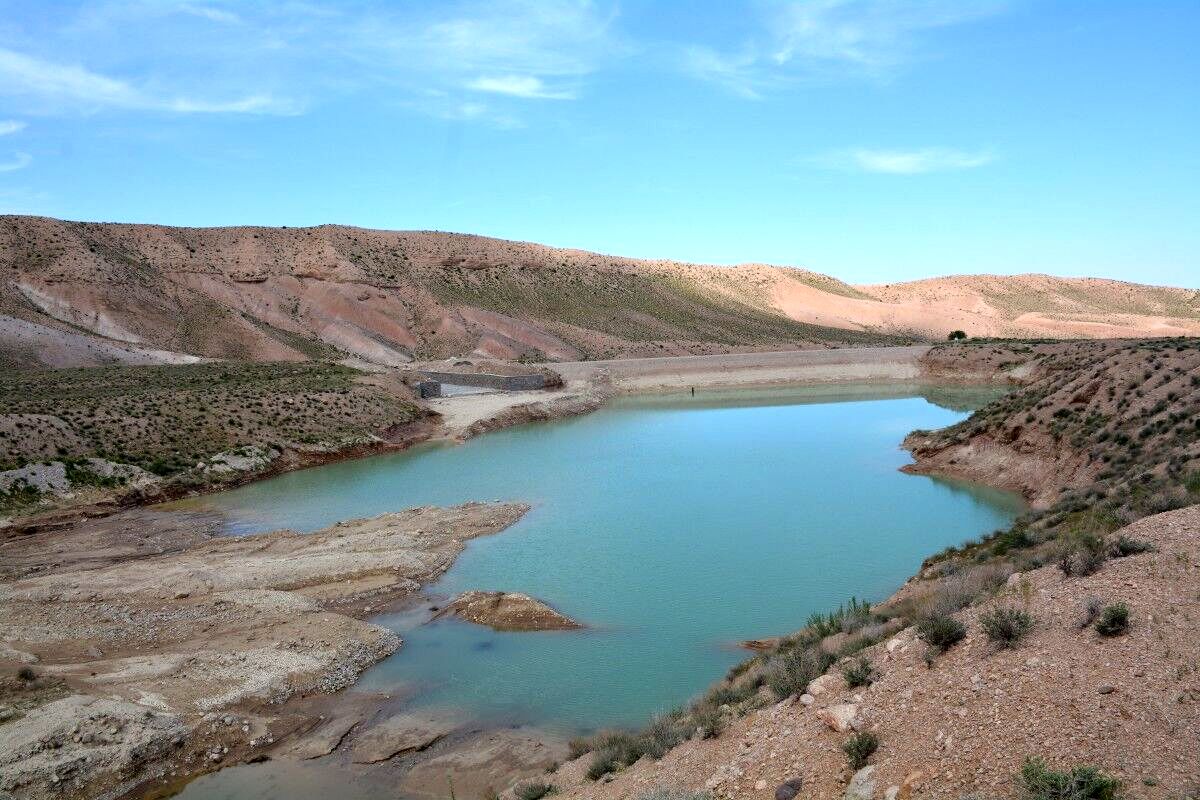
column 575, row 398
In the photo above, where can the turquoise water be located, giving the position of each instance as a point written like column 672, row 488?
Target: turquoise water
column 674, row 527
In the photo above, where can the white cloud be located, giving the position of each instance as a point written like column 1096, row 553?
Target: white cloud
column 904, row 162
column 820, row 40
column 526, row 86
column 18, row 161
column 10, row 126
column 68, row 86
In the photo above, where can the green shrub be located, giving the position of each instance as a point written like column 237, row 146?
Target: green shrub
column 535, row 790
column 1006, row 626
column 665, row 732
column 1114, row 620
column 614, row 750
column 858, row 749
column 1039, row 782
column 858, row 673
column 941, row 632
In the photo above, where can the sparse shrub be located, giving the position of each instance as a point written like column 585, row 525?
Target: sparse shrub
column 535, row 790
column 790, row 673
column 859, row 748
column 858, row 673
column 26, row 674
column 1039, row 782
column 709, row 720
column 956, row 336
column 1129, row 546
column 1113, row 620
column 1083, row 555
column 614, row 750
column 1006, row 626
column 663, row 733
column 941, row 632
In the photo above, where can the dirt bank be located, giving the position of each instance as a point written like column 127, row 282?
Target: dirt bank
column 176, row 663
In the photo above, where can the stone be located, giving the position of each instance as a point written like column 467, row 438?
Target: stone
column 862, row 785
column 789, row 789
column 507, row 611
column 1106, row 689
column 841, row 717
column 402, row 733
column 826, row 684
column 807, row 699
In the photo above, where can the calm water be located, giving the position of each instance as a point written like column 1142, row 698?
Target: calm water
column 673, row 526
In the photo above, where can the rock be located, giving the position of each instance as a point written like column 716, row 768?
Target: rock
column 402, row 733
column 807, row 699
column 826, row 684
column 841, row 717
column 1106, row 689
column 789, row 789
column 759, row 785
column 324, row 740
column 862, row 785
column 507, row 611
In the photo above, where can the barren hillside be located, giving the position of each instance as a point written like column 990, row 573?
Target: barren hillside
column 84, row 294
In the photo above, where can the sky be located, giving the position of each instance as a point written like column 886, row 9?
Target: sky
column 875, row 140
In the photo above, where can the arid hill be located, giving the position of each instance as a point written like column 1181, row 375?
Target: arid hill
column 86, row 294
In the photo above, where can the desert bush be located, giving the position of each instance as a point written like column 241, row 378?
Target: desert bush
column 858, row 749
column 675, row 794
column 1129, row 546
column 941, row 632
column 535, row 790
column 858, row 673
column 1006, row 626
column 613, row 750
column 790, row 673
column 1083, row 554
column 1091, row 609
column 1039, row 782
column 1113, row 620
column 709, row 720
column 26, row 674
column 664, row 732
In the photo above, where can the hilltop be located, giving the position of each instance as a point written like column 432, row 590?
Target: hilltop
column 88, row 294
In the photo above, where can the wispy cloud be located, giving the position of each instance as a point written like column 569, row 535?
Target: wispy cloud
column 70, row 86
column 821, row 40
column 903, row 162
column 10, row 126
column 18, row 161
column 527, row 86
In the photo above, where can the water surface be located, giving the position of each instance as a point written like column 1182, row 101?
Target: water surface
column 673, row 526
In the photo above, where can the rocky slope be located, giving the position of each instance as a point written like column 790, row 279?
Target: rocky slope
column 162, row 664
column 79, row 294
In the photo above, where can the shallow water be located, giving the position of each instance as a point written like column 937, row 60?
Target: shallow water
column 673, row 526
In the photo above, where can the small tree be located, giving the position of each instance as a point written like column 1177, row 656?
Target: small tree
column 956, row 336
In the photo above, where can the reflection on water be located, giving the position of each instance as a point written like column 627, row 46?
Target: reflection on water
column 671, row 525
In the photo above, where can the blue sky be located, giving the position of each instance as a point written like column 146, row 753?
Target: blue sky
column 876, row 140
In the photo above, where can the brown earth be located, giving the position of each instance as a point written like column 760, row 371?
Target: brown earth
column 178, row 662
column 81, row 294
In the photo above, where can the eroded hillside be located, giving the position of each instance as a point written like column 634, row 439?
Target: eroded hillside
column 83, row 294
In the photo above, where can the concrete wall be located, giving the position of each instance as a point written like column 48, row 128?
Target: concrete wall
column 505, row 383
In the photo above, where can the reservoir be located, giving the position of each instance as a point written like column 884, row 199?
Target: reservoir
column 673, row 526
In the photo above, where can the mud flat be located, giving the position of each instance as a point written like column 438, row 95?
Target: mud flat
column 156, row 667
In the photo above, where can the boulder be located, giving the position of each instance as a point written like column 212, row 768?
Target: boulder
column 789, row 789
column 507, row 611
column 826, row 684
column 862, row 785
column 842, row 717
